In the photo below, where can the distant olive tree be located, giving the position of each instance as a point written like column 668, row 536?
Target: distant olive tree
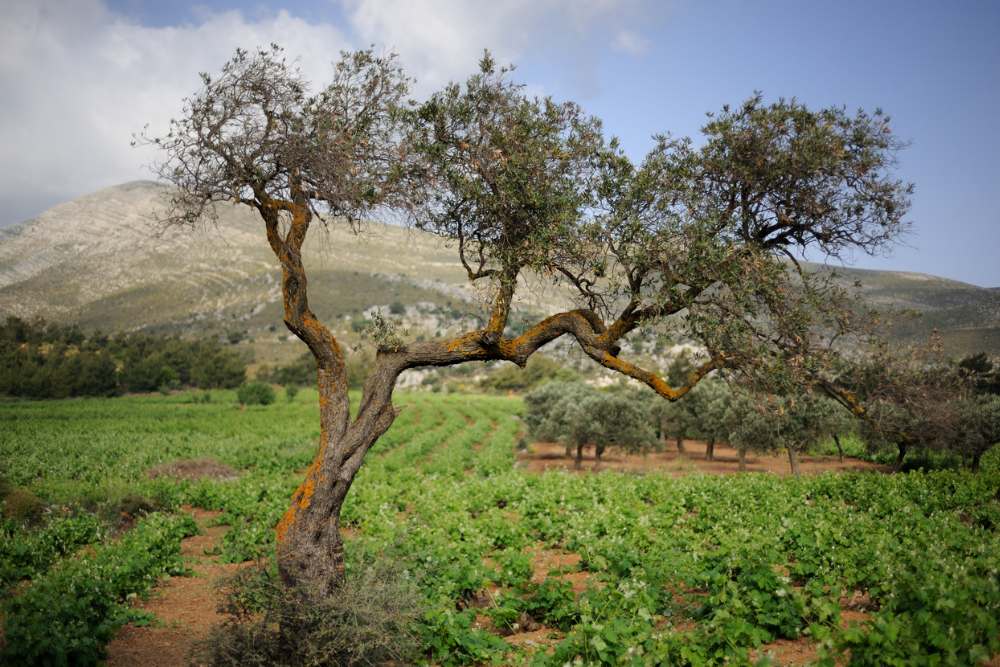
column 978, row 427
column 523, row 187
column 715, row 397
column 906, row 398
column 749, row 425
column 580, row 417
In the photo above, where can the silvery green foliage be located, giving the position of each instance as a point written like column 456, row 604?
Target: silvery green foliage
column 577, row 414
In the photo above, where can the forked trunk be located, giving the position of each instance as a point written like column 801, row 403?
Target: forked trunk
column 793, row 460
column 840, row 450
column 743, row 459
column 710, row 450
column 310, row 550
column 680, row 444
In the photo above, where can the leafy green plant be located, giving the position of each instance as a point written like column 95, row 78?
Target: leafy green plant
column 69, row 614
column 255, row 393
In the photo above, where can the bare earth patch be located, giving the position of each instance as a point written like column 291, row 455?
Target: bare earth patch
column 185, row 607
column 542, row 456
column 544, row 561
column 193, row 469
column 788, row 652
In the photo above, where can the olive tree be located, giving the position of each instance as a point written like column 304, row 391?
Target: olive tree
column 526, row 188
column 715, row 397
column 905, row 398
column 580, row 416
column 749, row 424
column 802, row 421
column 978, row 427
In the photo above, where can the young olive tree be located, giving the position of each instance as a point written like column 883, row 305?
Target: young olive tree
column 580, row 416
column 749, row 424
column 802, row 421
column 715, row 397
column 978, row 428
column 530, row 188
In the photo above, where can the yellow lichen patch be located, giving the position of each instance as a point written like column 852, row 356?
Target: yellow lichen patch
column 286, row 522
column 301, row 499
column 460, row 342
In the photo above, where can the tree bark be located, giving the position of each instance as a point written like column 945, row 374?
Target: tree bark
column 793, row 460
column 743, row 459
column 309, row 546
column 579, row 457
column 898, row 465
column 599, row 451
column 710, row 450
column 680, row 445
column 840, row 450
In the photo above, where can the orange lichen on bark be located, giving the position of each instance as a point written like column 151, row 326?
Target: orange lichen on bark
column 458, row 343
column 302, row 497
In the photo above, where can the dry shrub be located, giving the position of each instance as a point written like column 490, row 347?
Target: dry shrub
column 22, row 506
column 368, row 620
column 193, row 469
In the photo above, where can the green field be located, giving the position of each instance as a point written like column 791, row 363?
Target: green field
column 869, row 569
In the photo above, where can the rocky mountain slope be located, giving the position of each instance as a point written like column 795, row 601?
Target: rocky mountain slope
column 101, row 261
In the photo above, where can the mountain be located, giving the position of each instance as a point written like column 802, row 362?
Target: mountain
column 100, row 261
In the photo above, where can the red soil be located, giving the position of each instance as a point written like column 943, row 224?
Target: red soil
column 185, row 607
column 542, row 456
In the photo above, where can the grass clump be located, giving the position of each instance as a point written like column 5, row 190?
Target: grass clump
column 369, row 620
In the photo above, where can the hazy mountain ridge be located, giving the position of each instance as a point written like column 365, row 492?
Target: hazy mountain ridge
column 97, row 260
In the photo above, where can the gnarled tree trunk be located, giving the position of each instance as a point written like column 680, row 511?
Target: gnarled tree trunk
column 743, row 459
column 578, row 463
column 309, row 545
column 680, row 445
column 710, row 450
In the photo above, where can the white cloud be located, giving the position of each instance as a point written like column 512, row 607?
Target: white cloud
column 78, row 80
column 442, row 40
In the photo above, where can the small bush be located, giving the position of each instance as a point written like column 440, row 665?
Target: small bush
column 369, row 620
column 291, row 391
column 255, row 393
column 23, row 506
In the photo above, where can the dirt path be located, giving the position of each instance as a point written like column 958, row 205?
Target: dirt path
column 185, row 607
column 542, row 456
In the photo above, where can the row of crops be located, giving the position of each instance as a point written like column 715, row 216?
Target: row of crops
column 866, row 568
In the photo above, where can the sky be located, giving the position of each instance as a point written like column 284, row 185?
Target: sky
column 80, row 76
